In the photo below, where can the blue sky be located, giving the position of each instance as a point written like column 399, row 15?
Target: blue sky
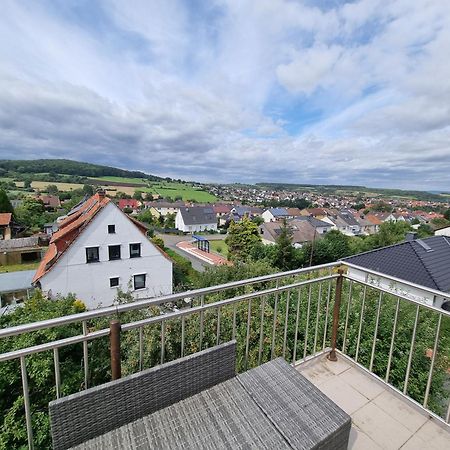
column 232, row 90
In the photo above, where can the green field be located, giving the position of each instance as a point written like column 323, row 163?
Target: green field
column 19, row 267
column 185, row 191
column 122, row 180
column 214, row 245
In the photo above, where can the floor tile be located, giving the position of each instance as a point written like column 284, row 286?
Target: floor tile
column 362, row 383
column 317, row 373
column 400, row 410
column 360, row 441
column 434, row 435
column 343, row 395
column 380, row 427
column 337, row 367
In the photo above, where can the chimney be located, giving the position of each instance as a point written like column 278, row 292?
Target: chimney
column 411, row 236
column 101, row 193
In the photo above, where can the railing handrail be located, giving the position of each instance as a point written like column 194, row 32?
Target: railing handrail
column 396, row 280
column 155, row 319
column 147, row 302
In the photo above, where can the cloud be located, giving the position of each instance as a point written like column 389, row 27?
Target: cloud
column 343, row 92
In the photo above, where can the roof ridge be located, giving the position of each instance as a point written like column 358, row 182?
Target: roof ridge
column 424, row 265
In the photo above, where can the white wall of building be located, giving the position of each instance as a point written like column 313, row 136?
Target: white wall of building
column 443, row 232
column 180, row 225
column 91, row 281
column 268, row 216
column 398, row 288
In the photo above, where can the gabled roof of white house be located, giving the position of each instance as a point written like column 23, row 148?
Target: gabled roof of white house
column 198, row 215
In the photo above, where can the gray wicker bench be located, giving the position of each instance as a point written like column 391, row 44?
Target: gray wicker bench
column 79, row 417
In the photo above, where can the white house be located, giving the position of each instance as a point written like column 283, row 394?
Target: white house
column 274, row 214
column 444, row 231
column 99, row 249
column 193, row 219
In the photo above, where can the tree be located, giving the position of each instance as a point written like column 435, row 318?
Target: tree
column 241, row 239
column 447, row 214
column 52, row 189
column 169, row 221
column 5, row 204
column 88, row 190
column 32, row 213
column 285, row 252
column 146, row 216
column 138, row 195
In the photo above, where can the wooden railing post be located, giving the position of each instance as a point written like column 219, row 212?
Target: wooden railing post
column 337, row 306
column 114, row 340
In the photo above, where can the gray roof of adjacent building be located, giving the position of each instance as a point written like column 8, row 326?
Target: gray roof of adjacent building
column 422, row 261
column 198, row 215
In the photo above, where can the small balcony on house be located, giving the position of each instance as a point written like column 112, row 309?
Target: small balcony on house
column 382, row 357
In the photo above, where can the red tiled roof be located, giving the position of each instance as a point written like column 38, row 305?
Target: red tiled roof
column 222, row 209
column 129, row 203
column 69, row 229
column 5, row 219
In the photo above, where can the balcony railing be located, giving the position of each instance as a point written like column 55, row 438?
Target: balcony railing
column 296, row 314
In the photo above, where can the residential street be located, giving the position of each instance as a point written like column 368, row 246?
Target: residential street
column 171, row 241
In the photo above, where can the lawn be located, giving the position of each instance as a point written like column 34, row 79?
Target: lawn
column 18, row 267
column 215, row 245
column 185, row 191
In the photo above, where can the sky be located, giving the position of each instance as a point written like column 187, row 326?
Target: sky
column 308, row 91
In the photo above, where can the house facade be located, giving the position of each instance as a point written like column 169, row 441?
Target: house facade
column 193, row 219
column 5, row 226
column 96, row 251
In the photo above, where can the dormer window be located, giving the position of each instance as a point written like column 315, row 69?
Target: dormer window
column 111, row 229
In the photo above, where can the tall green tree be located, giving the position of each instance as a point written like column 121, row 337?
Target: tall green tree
column 285, row 253
column 242, row 237
column 5, row 204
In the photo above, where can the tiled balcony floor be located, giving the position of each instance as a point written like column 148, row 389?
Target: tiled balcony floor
column 380, row 418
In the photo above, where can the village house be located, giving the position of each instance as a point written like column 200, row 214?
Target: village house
column 130, row 204
column 302, row 232
column 274, row 214
column 222, row 212
column 417, row 262
column 5, row 226
column 162, row 209
column 96, row 251
column 21, row 250
column 192, row 219
column 51, row 202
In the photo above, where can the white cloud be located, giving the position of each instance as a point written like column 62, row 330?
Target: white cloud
column 214, row 91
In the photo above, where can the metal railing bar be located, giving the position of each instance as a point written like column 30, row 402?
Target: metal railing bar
column 326, row 314
column 411, row 350
column 163, row 341
column 153, row 301
column 183, row 325
column 26, row 399
column 233, row 332
column 316, row 333
column 274, row 326
column 403, row 297
column 85, row 356
column 375, row 332
column 202, row 302
column 297, row 318
column 349, row 302
column 261, row 329
column 218, row 326
column 308, row 310
column 391, row 348
column 247, row 339
column 141, row 348
column 433, row 358
column 360, row 323
column 57, row 372
column 286, row 323
column 54, row 344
